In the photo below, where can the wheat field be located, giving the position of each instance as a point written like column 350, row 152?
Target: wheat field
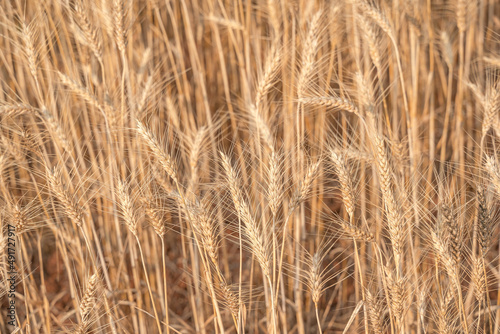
column 265, row 166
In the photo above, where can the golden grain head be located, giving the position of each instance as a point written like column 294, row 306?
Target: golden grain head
column 335, row 161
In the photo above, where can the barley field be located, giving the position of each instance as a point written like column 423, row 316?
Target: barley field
column 265, row 166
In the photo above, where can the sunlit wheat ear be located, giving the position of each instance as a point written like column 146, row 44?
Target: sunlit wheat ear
column 91, row 35
column 274, row 192
column 81, row 329
column 352, row 153
column 126, row 206
column 56, row 130
column 106, row 109
column 19, row 219
column 483, row 221
column 254, row 235
column 16, row 110
column 330, row 102
column 491, row 104
column 266, row 82
column 69, row 202
column 119, row 24
column 376, row 15
column 262, row 127
column 395, row 221
column 478, row 278
column 29, row 34
column 310, row 48
column 204, row 225
column 370, row 37
column 29, row 141
column 89, row 299
column 366, row 95
column 444, row 325
column 140, row 103
column 346, row 184
column 356, row 232
column 82, row 92
column 494, row 173
column 451, row 224
column 230, row 299
column 398, row 295
column 23, row 217
column 159, row 177
column 172, row 107
column 196, row 146
column 445, row 258
column 163, row 157
column 153, row 212
column 315, row 277
column 274, row 17
column 375, row 312
column 303, row 189
column 478, row 93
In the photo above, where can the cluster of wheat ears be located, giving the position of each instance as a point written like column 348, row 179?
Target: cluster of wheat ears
column 266, row 166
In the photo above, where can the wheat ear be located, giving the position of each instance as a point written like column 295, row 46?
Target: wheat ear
column 89, row 300
column 271, row 71
column 16, row 110
column 255, row 237
column 449, row 219
column 92, row 37
column 394, row 218
column 253, row 233
column 316, row 282
column 344, row 175
column 159, row 225
column 163, row 157
column 493, row 171
column 72, row 208
column 375, row 312
column 194, row 154
column 120, row 30
column 126, row 204
column 310, row 48
column 356, row 232
column 274, row 193
column 478, row 278
column 262, row 127
column 331, row 102
column 483, row 221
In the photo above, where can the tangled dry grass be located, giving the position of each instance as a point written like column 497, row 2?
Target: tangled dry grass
column 277, row 166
